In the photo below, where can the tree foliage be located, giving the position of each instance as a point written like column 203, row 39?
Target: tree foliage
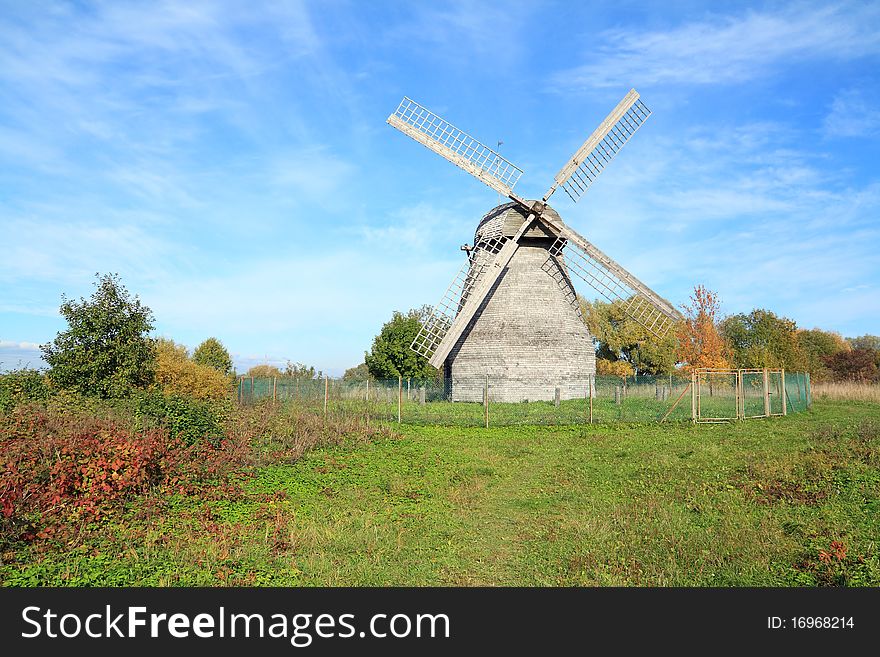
column 358, row 373
column 605, row 367
column 263, row 370
column 859, row 365
column 871, row 342
column 176, row 374
column 300, row 371
column 105, row 350
column 817, row 346
column 621, row 338
column 391, row 355
column 213, row 354
column 699, row 343
column 763, row 339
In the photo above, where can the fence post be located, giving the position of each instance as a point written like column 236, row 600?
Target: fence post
column 784, row 405
column 368, row 388
column 407, row 388
column 326, row 393
column 591, row 382
column 556, row 397
column 766, row 393
column 422, row 395
column 399, row 395
column 274, row 389
column 694, row 396
column 617, row 395
column 486, row 402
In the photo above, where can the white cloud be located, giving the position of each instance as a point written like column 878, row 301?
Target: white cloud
column 728, row 49
column 854, row 113
column 22, row 346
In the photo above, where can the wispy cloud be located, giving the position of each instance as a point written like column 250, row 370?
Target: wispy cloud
column 854, row 113
column 723, row 49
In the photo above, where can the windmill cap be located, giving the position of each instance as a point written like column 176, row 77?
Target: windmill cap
column 506, row 219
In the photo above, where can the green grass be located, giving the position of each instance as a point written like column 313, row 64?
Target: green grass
column 749, row 504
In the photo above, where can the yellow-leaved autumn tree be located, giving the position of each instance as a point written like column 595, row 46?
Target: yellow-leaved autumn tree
column 177, row 374
column 699, row 343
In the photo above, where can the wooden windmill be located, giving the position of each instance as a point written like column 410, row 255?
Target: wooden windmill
column 512, row 311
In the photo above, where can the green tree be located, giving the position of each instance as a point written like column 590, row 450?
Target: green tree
column 358, row 373
column 621, row 338
column 106, row 350
column 870, row 342
column 817, row 346
column 391, row 355
column 300, row 371
column 763, row 339
column 213, row 354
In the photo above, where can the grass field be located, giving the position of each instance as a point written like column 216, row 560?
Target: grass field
column 785, row 501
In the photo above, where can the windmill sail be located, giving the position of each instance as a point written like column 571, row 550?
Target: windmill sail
column 498, row 253
column 455, row 145
column 612, row 281
column 600, row 147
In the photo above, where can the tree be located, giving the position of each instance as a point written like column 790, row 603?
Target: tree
column 176, row 374
column 871, row 342
column 263, row 370
column 762, row 339
column 699, row 343
column 391, row 355
column 858, row 365
column 621, row 338
column 358, row 373
column 816, row 346
column 105, row 351
column 212, row 353
column 300, row 371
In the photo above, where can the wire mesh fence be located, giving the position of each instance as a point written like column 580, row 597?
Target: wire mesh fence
column 711, row 396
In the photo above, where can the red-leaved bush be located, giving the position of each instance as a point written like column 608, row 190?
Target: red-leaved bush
column 75, row 468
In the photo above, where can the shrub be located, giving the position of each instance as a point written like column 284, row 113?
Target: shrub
column 56, row 465
column 176, row 374
column 606, row 367
column 20, row 386
column 191, row 420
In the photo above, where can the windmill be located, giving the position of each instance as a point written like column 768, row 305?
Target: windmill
column 512, row 312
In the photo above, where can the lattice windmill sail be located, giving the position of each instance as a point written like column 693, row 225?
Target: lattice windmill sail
column 511, row 311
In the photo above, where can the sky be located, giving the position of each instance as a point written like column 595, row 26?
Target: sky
column 231, row 160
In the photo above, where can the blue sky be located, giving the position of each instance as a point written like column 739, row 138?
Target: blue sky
column 231, row 160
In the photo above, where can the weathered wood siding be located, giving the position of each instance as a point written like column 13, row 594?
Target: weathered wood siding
column 527, row 335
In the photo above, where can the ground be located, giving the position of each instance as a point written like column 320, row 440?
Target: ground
column 780, row 501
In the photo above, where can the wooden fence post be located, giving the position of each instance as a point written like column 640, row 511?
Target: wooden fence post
column 486, row 402
column 399, row 395
column 326, row 393
column 784, row 405
column 766, row 393
column 274, row 389
column 694, row 396
column 591, row 382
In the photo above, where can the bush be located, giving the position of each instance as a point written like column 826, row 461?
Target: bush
column 74, row 467
column 20, row 386
column 605, row 367
column 176, row 374
column 190, row 420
